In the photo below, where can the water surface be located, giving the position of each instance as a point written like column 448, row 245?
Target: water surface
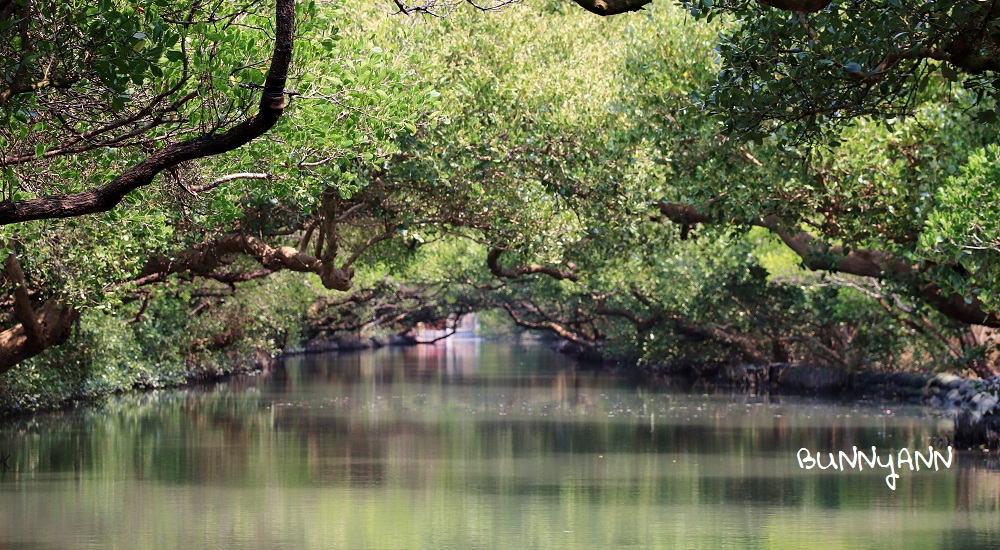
column 477, row 446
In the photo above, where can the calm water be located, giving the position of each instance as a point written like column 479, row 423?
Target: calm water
column 476, row 446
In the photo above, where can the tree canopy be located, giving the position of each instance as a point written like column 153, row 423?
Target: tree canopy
column 641, row 184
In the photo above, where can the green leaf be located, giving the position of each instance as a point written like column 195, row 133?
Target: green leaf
column 948, row 72
column 987, row 117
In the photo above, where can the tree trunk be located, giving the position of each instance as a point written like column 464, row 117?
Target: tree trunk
column 36, row 330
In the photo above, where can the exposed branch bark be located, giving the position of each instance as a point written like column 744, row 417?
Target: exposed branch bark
column 328, row 244
column 550, row 326
column 23, row 310
column 104, row 198
column 388, row 306
column 641, row 324
column 806, row 6
column 819, row 256
column 746, row 346
column 9, row 93
column 204, row 259
column 242, row 276
column 611, row 7
column 614, row 7
column 22, row 67
column 372, row 241
column 438, row 339
column 87, row 141
column 493, row 262
column 36, row 330
column 142, row 308
column 682, row 214
column 15, row 345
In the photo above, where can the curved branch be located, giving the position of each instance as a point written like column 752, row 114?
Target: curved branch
column 614, row 7
column 204, row 259
column 611, row 7
column 711, row 331
column 641, row 324
column 16, row 344
column 818, row 256
column 436, row 340
column 105, row 198
column 746, row 346
column 22, row 302
column 550, row 326
column 36, row 330
column 802, row 6
column 493, row 262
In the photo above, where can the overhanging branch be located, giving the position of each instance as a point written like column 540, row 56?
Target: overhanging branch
column 614, row 7
column 36, row 330
column 819, row 256
column 611, row 7
column 803, row 6
column 493, row 262
column 551, row 326
column 205, row 259
column 105, row 198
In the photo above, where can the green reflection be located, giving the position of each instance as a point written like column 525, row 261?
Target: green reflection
column 474, row 446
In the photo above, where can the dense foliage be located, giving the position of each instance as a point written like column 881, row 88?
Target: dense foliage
column 593, row 178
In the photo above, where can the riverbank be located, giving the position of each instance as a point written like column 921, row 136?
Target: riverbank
column 68, row 397
column 973, row 404
column 478, row 444
column 34, row 398
column 15, row 402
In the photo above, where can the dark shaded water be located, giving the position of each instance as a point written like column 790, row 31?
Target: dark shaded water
column 476, row 446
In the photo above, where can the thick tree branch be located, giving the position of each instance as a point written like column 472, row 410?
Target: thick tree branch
column 205, row 258
column 614, row 7
column 9, row 93
column 493, row 262
column 804, row 6
column 550, row 326
column 611, row 7
column 87, row 141
column 328, row 242
column 438, row 339
column 16, row 345
column 104, row 198
column 747, row 347
column 641, row 324
column 23, row 310
column 36, row 330
column 819, row 256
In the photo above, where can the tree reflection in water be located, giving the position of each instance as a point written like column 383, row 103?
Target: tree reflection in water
column 474, row 445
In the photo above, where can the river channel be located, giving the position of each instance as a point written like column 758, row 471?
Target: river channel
column 479, row 445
